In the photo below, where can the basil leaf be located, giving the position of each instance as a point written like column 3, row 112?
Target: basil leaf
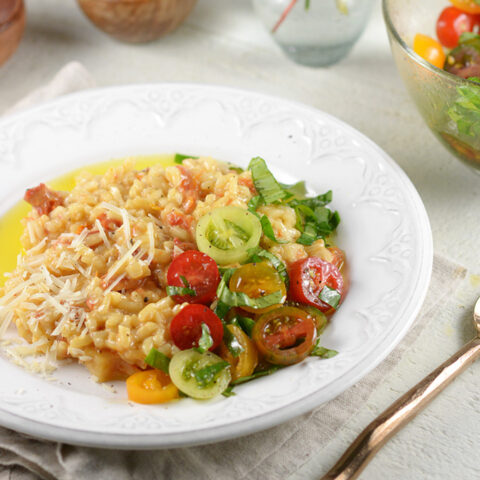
column 313, row 202
column 205, row 341
column 206, row 375
column 180, row 157
column 257, row 254
column 465, row 112
column 228, row 392
column 240, row 299
column 235, row 168
column 253, row 376
column 185, row 281
column 268, row 230
column 298, row 189
column 172, row 290
column 322, row 352
column 309, row 234
column 246, row 324
column 330, row 296
column 265, row 183
column 157, row 360
column 232, row 343
column 254, row 203
column 221, row 310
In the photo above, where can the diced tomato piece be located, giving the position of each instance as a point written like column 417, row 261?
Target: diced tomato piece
column 43, row 199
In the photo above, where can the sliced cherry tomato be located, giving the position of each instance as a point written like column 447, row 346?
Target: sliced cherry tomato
column 151, row 386
column 285, row 336
column 469, row 6
column 228, row 233
column 195, row 270
column 244, row 363
column 186, row 326
column 429, row 49
column 199, row 375
column 257, row 280
column 464, row 60
column 451, row 23
column 340, row 261
column 308, row 278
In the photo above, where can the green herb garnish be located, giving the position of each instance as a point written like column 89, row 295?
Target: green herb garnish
column 265, row 183
column 157, row 360
column 322, row 352
column 245, row 323
column 240, row 299
column 173, row 290
column 330, row 296
column 232, row 343
column 255, row 375
column 205, row 341
column 258, row 254
column 206, row 375
column 228, row 392
column 180, row 157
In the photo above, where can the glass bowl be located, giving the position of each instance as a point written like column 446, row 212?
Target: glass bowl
column 449, row 104
column 319, row 35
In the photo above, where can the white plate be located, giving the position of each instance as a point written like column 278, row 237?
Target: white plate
column 384, row 230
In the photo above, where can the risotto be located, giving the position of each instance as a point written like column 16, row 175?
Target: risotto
column 93, row 283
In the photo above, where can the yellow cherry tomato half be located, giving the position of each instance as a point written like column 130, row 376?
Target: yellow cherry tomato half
column 245, row 362
column 469, row 6
column 257, row 280
column 429, row 49
column 151, row 386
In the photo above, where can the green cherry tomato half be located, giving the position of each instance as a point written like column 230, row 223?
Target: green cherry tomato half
column 199, row 375
column 227, row 233
column 285, row 336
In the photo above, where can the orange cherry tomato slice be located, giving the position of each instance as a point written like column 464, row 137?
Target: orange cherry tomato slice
column 469, row 6
column 257, row 280
column 151, row 386
column 429, row 49
column 285, row 336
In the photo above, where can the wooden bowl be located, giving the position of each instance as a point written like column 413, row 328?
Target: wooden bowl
column 137, row 21
column 12, row 24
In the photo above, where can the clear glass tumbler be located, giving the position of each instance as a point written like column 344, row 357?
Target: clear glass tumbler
column 315, row 32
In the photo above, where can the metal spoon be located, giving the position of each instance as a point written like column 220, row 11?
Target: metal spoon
column 375, row 435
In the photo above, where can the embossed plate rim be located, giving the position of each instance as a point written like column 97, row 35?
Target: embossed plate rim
column 265, row 420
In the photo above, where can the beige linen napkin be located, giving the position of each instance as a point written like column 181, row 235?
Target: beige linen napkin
column 272, row 455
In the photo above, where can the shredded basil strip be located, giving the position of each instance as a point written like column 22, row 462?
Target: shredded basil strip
column 309, row 234
column 253, row 376
column 322, row 352
column 157, row 360
column 235, row 168
column 172, row 290
column 245, row 323
column 330, row 296
column 265, row 183
column 240, row 299
column 232, row 343
column 267, row 228
column 257, row 254
column 206, row 375
column 298, row 189
column 221, row 309
column 228, row 392
column 205, row 341
column 180, row 157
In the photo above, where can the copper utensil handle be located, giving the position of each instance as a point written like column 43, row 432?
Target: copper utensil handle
column 375, row 435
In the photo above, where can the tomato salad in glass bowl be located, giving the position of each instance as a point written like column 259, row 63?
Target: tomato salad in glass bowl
column 246, row 313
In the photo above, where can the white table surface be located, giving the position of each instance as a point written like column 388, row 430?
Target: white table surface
column 222, row 42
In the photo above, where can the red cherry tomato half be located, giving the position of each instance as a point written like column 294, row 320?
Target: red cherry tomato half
column 285, row 335
column 340, row 261
column 451, row 23
column 201, row 273
column 186, row 327
column 307, row 279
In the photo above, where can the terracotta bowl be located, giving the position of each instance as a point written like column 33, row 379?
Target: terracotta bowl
column 137, row 21
column 12, row 24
